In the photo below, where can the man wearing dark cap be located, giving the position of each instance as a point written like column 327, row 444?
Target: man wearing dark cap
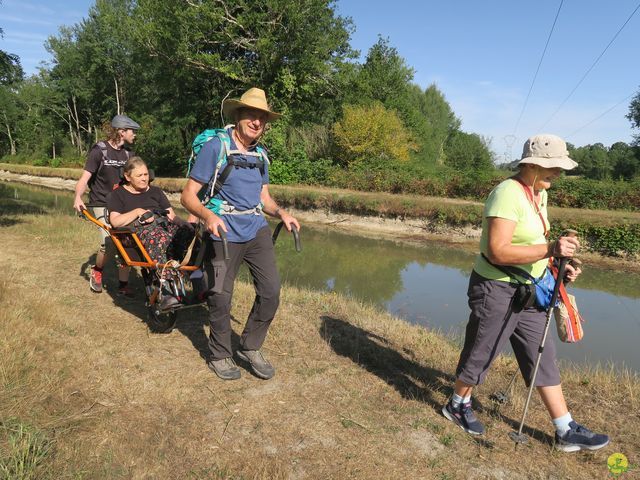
column 102, row 174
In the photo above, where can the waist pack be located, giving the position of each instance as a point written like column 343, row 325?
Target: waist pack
column 538, row 293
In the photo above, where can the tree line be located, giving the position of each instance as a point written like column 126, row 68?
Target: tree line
column 169, row 65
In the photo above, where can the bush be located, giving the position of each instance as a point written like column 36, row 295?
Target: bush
column 369, row 132
column 595, row 194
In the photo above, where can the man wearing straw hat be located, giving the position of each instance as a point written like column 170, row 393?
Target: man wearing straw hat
column 236, row 207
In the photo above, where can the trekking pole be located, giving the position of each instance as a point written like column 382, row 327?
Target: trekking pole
column 502, row 396
column 519, row 437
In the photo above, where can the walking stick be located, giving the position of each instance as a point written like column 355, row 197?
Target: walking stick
column 519, row 437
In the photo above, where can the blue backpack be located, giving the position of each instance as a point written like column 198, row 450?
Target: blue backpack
column 223, row 167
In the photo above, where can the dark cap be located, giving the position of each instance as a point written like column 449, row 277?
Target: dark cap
column 122, row 121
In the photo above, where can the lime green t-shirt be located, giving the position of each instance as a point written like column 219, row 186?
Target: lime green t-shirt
column 509, row 200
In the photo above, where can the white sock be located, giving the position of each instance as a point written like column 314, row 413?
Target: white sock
column 467, row 399
column 456, row 400
column 562, row 423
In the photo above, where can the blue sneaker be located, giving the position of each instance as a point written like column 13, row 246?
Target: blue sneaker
column 464, row 417
column 579, row 437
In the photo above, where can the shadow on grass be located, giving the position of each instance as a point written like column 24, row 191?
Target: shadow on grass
column 12, row 209
column 539, row 435
column 410, row 378
column 377, row 355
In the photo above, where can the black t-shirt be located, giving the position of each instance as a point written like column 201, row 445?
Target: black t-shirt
column 104, row 179
column 121, row 200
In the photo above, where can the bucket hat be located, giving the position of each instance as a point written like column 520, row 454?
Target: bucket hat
column 122, row 121
column 252, row 98
column 548, row 151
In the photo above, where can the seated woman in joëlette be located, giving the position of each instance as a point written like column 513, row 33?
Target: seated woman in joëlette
column 147, row 210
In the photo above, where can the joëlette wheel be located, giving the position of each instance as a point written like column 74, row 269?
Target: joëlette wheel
column 160, row 322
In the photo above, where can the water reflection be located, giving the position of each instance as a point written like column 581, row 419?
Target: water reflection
column 423, row 284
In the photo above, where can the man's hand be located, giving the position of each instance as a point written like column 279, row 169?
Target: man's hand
column 289, row 220
column 212, row 222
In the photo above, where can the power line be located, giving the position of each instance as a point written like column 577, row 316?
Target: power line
column 600, row 116
column 535, row 76
column 590, row 68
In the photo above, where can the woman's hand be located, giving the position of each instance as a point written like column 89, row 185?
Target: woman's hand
column 565, row 247
column 117, row 219
column 571, row 273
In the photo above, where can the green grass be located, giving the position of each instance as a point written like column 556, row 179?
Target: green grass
column 25, row 450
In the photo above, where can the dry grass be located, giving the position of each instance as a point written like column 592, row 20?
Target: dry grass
column 357, row 392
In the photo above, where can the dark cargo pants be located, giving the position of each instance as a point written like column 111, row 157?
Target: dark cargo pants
column 221, row 275
column 491, row 325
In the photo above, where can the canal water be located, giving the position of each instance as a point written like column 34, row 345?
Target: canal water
column 426, row 284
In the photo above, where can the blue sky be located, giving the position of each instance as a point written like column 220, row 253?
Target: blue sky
column 481, row 55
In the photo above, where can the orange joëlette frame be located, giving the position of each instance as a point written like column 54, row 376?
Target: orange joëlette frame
column 114, row 232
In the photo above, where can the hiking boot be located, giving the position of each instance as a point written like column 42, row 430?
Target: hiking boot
column 225, row 368
column 579, row 437
column 260, row 365
column 464, row 417
column 95, row 280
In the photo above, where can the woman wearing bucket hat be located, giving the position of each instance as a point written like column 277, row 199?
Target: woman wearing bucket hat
column 514, row 234
column 236, row 207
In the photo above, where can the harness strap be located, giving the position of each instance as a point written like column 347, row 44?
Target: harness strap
column 227, row 209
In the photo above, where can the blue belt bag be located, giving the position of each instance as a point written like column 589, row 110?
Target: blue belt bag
column 543, row 286
column 544, row 289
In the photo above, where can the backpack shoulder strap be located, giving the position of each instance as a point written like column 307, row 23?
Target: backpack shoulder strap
column 102, row 145
column 263, row 153
column 225, row 146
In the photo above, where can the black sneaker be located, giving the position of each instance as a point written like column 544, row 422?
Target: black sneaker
column 226, row 368
column 260, row 365
column 464, row 417
column 579, row 437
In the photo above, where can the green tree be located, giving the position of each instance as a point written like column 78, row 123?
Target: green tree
column 442, row 121
column 367, row 133
column 634, row 115
column 625, row 160
column 9, row 117
column 596, row 162
column 467, row 152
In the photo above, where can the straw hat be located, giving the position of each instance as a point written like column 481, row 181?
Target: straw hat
column 252, row 98
column 548, row 151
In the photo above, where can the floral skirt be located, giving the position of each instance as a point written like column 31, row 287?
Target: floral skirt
column 165, row 241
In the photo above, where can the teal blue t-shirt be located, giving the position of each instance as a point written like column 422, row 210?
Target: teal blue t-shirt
column 242, row 189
